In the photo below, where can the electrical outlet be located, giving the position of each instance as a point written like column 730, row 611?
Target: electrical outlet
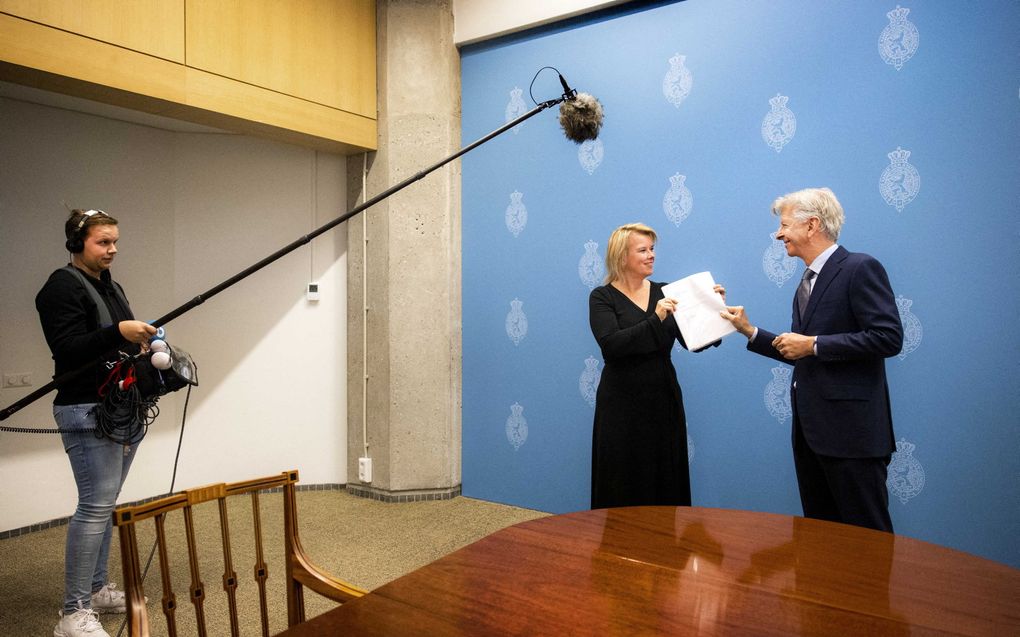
column 19, row 379
column 365, row 469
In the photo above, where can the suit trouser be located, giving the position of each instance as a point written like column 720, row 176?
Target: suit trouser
column 848, row 490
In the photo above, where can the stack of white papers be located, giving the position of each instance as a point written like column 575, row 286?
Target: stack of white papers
column 697, row 310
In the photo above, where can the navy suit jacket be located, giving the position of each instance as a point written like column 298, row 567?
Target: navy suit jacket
column 841, row 396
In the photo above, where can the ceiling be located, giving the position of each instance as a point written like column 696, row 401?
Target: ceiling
column 31, row 95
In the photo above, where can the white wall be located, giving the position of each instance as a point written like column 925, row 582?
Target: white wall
column 194, row 209
column 477, row 20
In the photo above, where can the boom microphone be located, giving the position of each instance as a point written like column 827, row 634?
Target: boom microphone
column 581, row 118
column 580, row 114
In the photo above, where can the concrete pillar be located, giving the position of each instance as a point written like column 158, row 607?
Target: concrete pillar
column 413, row 281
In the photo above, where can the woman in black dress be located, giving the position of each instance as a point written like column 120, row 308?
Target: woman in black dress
column 639, row 442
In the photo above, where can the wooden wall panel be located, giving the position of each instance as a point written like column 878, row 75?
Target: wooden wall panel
column 56, row 60
column 297, row 71
column 318, row 50
column 154, row 27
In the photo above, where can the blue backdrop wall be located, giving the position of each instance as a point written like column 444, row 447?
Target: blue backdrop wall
column 910, row 113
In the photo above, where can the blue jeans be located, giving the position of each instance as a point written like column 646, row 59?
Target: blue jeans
column 99, row 466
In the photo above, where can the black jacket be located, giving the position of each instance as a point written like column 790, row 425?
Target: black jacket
column 71, row 324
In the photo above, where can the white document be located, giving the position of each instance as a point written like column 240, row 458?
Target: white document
column 697, row 310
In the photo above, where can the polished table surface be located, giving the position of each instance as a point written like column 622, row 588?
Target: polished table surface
column 688, row 571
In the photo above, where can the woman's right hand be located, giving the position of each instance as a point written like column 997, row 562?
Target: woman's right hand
column 136, row 331
column 664, row 308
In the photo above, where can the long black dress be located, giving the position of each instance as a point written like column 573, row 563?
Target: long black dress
column 639, row 441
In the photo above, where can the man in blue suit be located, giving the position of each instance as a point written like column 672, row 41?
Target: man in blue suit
column 845, row 324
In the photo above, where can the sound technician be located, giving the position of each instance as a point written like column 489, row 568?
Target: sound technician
column 81, row 324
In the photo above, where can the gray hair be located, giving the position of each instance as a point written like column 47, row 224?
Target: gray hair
column 813, row 202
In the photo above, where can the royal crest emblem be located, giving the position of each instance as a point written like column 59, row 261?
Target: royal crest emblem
column 912, row 331
column 678, row 200
column 676, row 85
column 906, row 475
column 778, row 266
column 516, row 214
column 780, row 124
column 516, row 427
column 515, row 108
column 777, row 393
column 899, row 39
column 590, row 267
column 516, row 322
column 590, row 153
column 589, row 381
column 900, row 182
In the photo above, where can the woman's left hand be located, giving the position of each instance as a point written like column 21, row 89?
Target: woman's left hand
column 665, row 307
column 720, row 290
column 136, row 331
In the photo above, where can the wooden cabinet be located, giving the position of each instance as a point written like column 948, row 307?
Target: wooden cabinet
column 153, row 27
column 302, row 72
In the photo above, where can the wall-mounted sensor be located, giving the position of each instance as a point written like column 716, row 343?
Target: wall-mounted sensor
column 312, row 294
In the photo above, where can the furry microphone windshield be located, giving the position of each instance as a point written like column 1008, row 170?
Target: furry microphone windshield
column 581, row 118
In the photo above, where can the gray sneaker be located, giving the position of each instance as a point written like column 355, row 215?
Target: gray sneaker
column 81, row 623
column 108, row 600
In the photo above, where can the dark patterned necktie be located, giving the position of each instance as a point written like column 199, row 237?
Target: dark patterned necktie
column 804, row 291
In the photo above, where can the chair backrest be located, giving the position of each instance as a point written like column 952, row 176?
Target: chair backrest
column 300, row 571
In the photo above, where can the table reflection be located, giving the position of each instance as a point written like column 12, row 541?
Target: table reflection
column 674, row 573
column 815, row 571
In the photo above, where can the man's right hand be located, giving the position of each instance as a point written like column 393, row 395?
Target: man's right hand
column 735, row 314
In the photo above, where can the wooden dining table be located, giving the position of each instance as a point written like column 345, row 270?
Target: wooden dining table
column 688, row 571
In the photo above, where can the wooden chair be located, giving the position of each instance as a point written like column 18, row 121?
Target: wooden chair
column 300, row 572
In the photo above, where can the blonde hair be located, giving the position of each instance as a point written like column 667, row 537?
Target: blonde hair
column 616, row 249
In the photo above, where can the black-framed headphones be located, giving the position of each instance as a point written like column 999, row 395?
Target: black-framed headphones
column 76, row 241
